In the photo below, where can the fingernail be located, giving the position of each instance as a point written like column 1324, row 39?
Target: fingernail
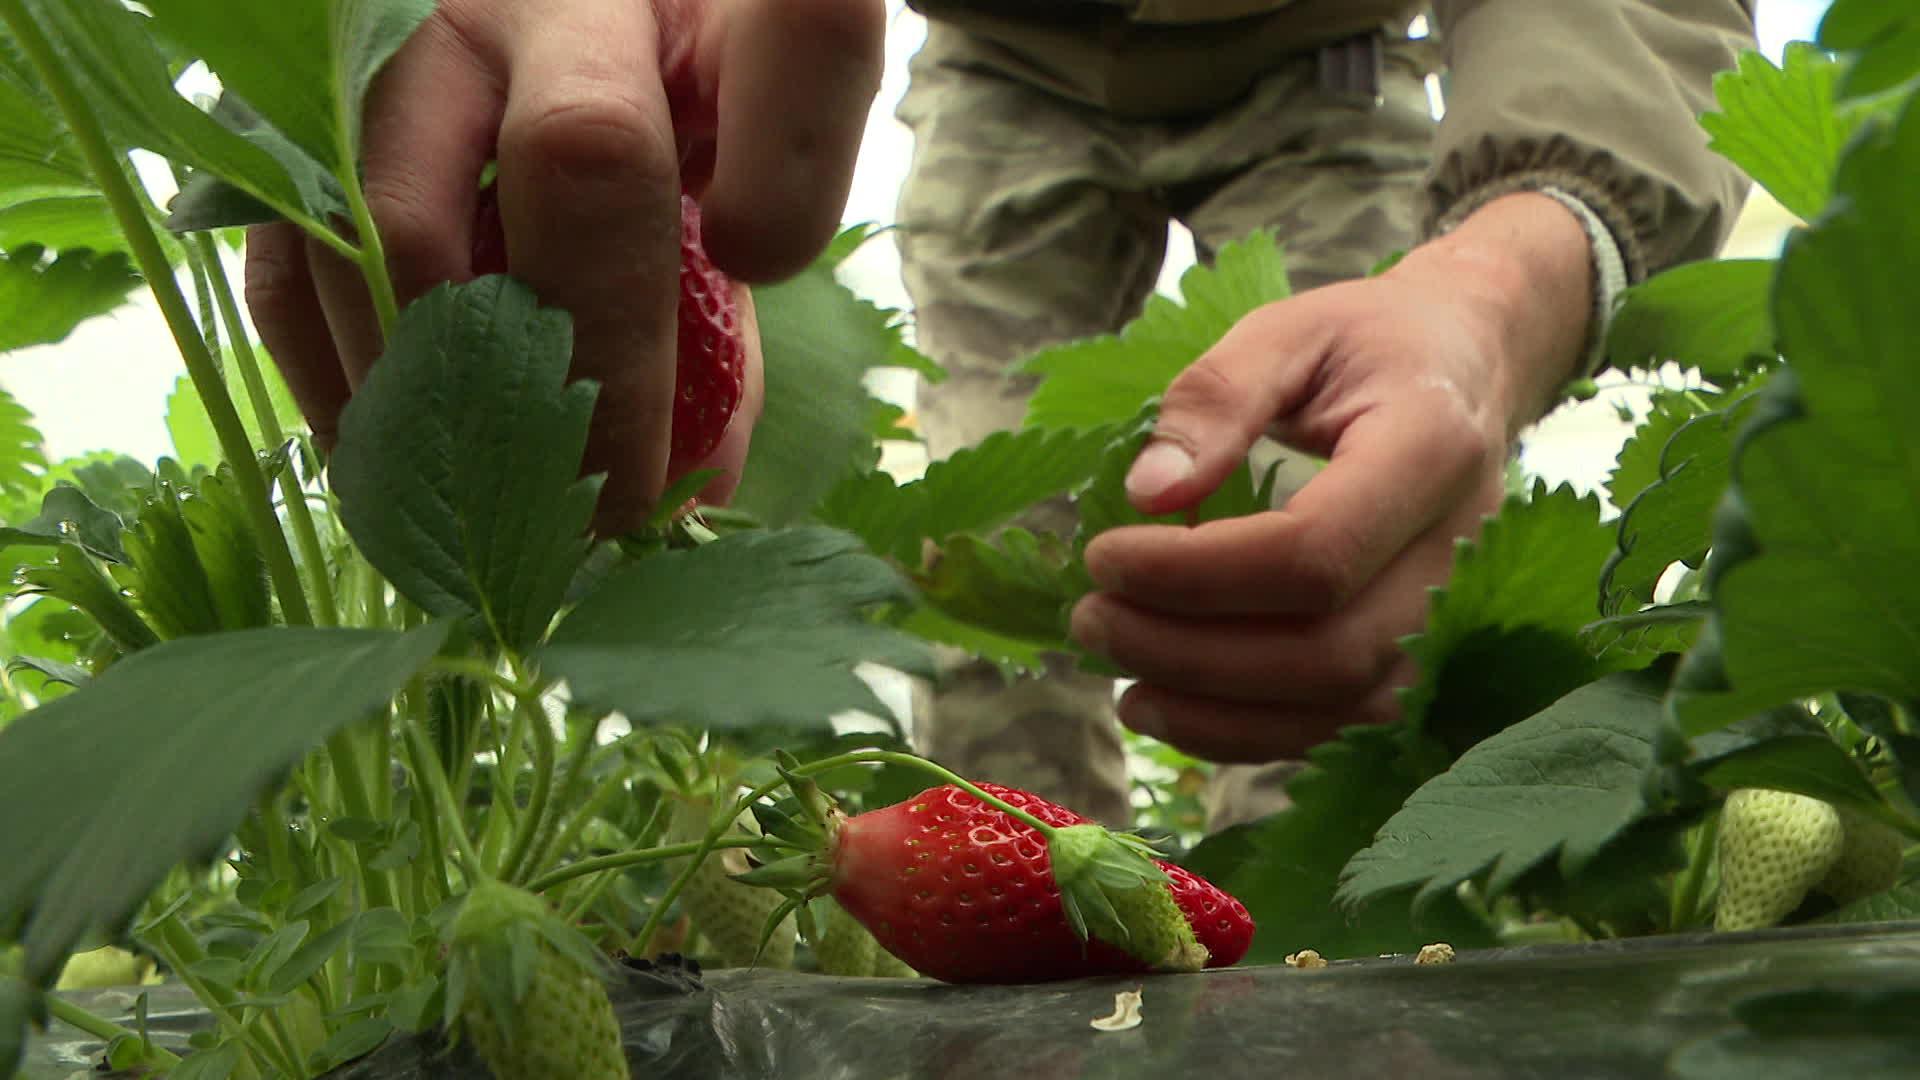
column 1089, row 629
column 1144, row 719
column 1160, row 466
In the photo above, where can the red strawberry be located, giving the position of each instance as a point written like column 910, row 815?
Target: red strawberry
column 712, row 358
column 963, row 892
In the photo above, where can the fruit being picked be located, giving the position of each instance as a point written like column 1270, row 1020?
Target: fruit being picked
column 711, row 357
column 962, row 891
column 526, row 989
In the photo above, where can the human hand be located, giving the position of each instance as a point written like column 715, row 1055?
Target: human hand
column 599, row 115
column 1255, row 638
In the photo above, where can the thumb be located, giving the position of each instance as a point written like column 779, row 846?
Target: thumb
column 1213, row 412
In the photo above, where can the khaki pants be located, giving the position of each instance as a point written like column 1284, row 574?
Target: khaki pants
column 1028, row 220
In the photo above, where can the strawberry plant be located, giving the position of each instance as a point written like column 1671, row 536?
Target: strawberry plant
column 384, row 741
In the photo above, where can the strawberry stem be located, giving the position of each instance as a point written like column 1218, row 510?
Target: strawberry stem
column 106, row 1030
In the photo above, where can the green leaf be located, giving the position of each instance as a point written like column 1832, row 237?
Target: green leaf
column 1669, row 518
column 199, row 564
column 42, row 299
column 1780, row 125
column 1017, row 585
column 1883, row 35
column 1104, row 380
column 1812, row 576
column 1646, row 634
column 191, row 731
column 1566, row 780
column 304, row 65
column 38, row 157
column 1503, row 637
column 1898, row 904
column 816, row 426
column 1810, row 765
column 1285, row 868
column 459, row 456
column 1711, row 316
column 60, row 223
column 67, row 516
column 1011, row 655
column 756, row 627
column 121, row 71
column 976, row 489
column 22, row 463
column 194, row 441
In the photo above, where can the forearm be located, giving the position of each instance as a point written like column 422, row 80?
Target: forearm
column 1521, row 267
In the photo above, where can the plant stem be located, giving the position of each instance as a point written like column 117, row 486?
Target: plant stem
column 177, row 946
column 1684, row 908
column 543, row 769
column 101, row 1028
column 621, row 860
column 570, row 780
column 609, row 788
column 353, row 793
column 325, row 612
column 428, row 771
column 91, row 139
column 372, row 254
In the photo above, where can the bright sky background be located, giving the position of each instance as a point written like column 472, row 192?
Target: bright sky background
column 105, row 387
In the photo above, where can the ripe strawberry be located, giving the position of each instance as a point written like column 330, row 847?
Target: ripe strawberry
column 711, row 364
column 713, row 355
column 549, row 1019
column 1774, row 846
column 964, row 892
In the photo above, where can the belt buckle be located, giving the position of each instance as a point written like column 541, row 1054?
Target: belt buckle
column 1350, row 71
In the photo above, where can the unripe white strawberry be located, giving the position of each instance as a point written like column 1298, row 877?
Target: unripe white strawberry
column 845, row 947
column 1869, row 862
column 549, row 1019
column 1774, row 846
column 731, row 916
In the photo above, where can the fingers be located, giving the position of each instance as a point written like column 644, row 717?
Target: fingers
column 590, row 200
column 1305, row 662
column 796, row 79
column 1213, row 411
column 1396, row 470
column 431, row 122
column 1235, row 733
column 293, row 327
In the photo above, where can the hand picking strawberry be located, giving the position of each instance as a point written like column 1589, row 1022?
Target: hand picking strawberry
column 710, row 376
column 965, row 892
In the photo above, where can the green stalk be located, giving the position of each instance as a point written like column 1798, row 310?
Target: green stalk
column 621, row 860
column 1684, row 908
column 549, row 822
column 101, row 1028
column 531, row 821
column 434, row 777
column 502, row 812
column 177, row 946
column 609, row 789
column 372, row 254
column 91, row 139
column 247, row 361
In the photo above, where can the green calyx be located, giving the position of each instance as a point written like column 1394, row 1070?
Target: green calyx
column 1111, row 889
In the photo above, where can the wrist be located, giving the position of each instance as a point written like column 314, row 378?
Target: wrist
column 1520, row 271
